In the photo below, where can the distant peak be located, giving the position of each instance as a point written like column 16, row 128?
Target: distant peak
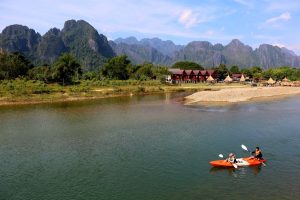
column 128, row 40
column 200, row 44
column 70, row 24
column 235, row 42
column 53, row 31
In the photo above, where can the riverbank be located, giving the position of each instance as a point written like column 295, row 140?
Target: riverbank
column 233, row 95
column 19, row 92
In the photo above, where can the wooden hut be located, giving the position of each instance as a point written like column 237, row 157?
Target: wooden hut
column 236, row 77
column 203, row 75
column 271, row 81
column 285, row 80
column 177, row 75
column 212, row 73
column 187, row 77
column 242, row 79
column 196, row 76
column 228, row 79
column 210, row 79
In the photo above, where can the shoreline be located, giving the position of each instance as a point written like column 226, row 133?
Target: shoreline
column 107, row 92
column 239, row 95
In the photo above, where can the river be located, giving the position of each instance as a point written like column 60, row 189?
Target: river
column 147, row 148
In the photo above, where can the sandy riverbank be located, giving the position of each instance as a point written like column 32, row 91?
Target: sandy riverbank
column 66, row 94
column 233, row 95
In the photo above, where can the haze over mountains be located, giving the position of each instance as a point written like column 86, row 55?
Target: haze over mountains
column 93, row 49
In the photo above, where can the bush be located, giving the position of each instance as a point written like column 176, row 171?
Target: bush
column 20, row 87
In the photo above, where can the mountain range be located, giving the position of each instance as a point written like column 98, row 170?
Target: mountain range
column 92, row 49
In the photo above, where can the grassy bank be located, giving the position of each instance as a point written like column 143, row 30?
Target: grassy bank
column 21, row 91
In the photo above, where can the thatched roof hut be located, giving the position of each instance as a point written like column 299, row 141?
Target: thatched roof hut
column 285, row 80
column 242, row 79
column 271, row 81
column 210, row 79
column 228, row 79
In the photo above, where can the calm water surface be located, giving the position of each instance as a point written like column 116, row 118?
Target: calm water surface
column 147, row 148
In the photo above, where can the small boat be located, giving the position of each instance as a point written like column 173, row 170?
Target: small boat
column 249, row 161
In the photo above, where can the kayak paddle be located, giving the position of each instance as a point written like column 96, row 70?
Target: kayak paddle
column 246, row 149
column 234, row 165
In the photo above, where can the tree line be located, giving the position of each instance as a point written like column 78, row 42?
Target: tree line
column 66, row 70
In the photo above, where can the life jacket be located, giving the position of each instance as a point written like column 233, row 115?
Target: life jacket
column 257, row 152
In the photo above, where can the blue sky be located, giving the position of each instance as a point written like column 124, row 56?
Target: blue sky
column 253, row 22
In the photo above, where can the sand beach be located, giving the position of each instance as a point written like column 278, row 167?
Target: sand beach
column 233, row 95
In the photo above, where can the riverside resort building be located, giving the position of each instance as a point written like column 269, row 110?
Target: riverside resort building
column 192, row 76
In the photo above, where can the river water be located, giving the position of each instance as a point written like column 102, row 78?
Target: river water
column 147, row 148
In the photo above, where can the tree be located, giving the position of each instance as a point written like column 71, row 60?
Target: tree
column 91, row 76
column 222, row 71
column 267, row 74
column 246, row 72
column 234, row 70
column 41, row 73
column 160, row 71
column 117, row 68
column 256, row 72
column 295, row 75
column 256, row 69
column 145, row 72
column 13, row 65
column 187, row 65
column 65, row 69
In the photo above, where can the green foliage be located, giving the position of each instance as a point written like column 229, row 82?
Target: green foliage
column 222, row 71
column 19, row 87
column 187, row 65
column 91, row 76
column 13, row 65
column 65, row 69
column 255, row 69
column 41, row 73
column 117, row 68
column 144, row 72
column 160, row 72
column 116, row 83
column 234, row 70
column 256, row 72
column 295, row 76
column 281, row 73
column 246, row 72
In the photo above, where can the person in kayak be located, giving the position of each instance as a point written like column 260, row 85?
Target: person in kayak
column 231, row 158
column 257, row 153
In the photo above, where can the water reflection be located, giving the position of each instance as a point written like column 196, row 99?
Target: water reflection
column 236, row 172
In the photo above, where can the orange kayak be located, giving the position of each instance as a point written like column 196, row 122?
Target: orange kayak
column 240, row 162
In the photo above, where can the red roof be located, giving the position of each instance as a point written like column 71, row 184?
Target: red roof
column 210, row 72
column 236, row 75
column 203, row 72
column 196, row 72
column 189, row 72
column 177, row 71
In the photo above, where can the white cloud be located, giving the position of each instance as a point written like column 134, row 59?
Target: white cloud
column 283, row 5
column 190, row 18
column 119, row 17
column 246, row 3
column 279, row 45
column 283, row 17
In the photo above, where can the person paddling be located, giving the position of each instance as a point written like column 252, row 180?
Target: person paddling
column 231, row 158
column 257, row 153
